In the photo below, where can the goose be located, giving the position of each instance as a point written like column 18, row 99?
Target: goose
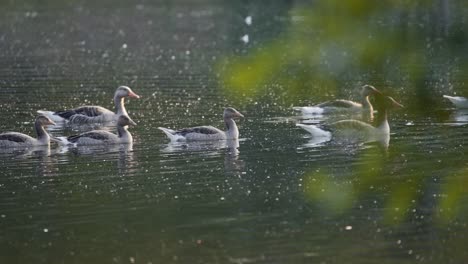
column 201, row 133
column 20, row 140
column 94, row 114
column 99, row 137
column 458, row 101
column 343, row 105
column 355, row 130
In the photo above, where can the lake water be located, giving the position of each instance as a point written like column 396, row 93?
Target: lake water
column 273, row 196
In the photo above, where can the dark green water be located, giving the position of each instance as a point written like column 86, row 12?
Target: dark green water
column 276, row 198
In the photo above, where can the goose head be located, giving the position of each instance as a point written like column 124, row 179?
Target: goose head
column 368, row 90
column 44, row 121
column 125, row 121
column 386, row 103
column 125, row 91
column 230, row 112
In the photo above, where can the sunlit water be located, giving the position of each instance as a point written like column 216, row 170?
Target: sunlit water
column 274, row 196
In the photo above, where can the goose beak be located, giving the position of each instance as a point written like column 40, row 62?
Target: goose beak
column 371, row 89
column 133, row 95
column 397, row 105
column 377, row 92
column 50, row 122
column 132, row 122
column 240, row 115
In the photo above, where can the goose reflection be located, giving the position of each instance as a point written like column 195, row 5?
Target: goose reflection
column 127, row 163
column 383, row 142
column 207, row 147
column 459, row 117
column 233, row 165
column 23, row 153
column 42, row 159
column 122, row 153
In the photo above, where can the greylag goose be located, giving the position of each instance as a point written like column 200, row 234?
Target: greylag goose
column 355, row 130
column 97, row 137
column 20, row 140
column 94, row 114
column 458, row 101
column 343, row 105
column 201, row 133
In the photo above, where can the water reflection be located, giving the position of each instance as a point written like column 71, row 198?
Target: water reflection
column 206, row 147
column 233, row 165
column 316, row 141
column 43, row 159
column 320, row 136
column 318, row 205
column 34, row 151
column 458, row 117
column 122, row 153
column 348, row 146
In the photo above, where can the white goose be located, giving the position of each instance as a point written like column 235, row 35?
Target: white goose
column 355, row 130
column 99, row 137
column 458, row 101
column 343, row 105
column 20, row 140
column 93, row 114
column 201, row 133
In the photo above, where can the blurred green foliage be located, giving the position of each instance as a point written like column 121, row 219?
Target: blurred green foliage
column 330, row 48
column 333, row 46
column 398, row 185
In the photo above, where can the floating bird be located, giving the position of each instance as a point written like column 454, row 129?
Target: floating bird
column 207, row 132
column 99, row 137
column 458, row 101
column 94, row 114
column 20, row 140
column 355, row 130
column 343, row 105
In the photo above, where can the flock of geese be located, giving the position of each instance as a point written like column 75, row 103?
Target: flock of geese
column 85, row 115
column 97, row 114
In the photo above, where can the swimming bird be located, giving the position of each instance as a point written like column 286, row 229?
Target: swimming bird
column 97, row 137
column 20, row 140
column 458, row 101
column 200, row 133
column 355, row 130
column 94, row 114
column 343, row 105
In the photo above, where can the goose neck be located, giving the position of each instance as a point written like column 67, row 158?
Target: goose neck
column 232, row 132
column 382, row 121
column 367, row 106
column 42, row 135
column 119, row 105
column 124, row 134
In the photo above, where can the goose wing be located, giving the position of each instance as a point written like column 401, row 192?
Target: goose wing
column 15, row 137
column 204, row 130
column 352, row 130
column 89, row 111
column 199, row 133
column 94, row 135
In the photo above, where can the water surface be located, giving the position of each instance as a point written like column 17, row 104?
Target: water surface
column 273, row 196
